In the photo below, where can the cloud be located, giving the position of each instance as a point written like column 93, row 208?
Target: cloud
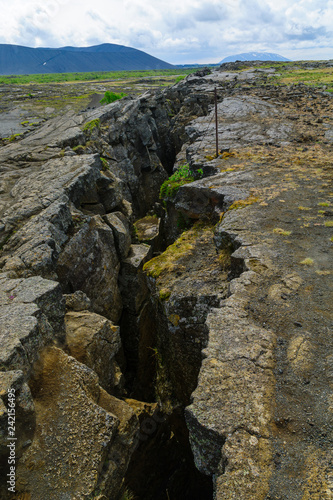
column 178, row 32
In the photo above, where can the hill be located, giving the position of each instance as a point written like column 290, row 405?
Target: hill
column 254, row 56
column 19, row 60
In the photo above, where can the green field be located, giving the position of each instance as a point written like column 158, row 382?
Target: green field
column 92, row 76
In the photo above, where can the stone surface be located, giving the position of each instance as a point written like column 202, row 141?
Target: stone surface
column 121, row 231
column 76, row 424
column 32, row 316
column 89, row 262
column 94, row 341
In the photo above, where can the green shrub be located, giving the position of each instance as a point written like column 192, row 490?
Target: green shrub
column 170, row 187
column 111, row 97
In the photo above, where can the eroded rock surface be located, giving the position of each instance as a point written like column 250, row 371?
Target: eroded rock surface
column 232, row 321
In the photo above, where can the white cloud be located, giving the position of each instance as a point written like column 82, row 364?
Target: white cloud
column 178, row 32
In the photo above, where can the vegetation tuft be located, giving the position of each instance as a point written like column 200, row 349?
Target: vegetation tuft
column 111, row 97
column 182, row 176
column 89, row 127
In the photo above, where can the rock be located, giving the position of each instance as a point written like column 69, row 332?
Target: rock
column 31, row 317
column 77, row 301
column 148, row 230
column 211, row 196
column 132, row 281
column 43, row 216
column 21, row 408
column 182, row 296
column 120, row 227
column 94, row 341
column 89, row 263
column 77, row 424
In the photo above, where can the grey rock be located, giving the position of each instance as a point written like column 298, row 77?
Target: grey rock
column 120, row 227
column 77, row 301
column 89, row 262
column 31, row 317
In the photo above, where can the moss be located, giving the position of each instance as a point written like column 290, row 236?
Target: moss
column 329, row 223
column 282, row 232
column 324, row 204
column 307, row 262
column 243, row 203
column 303, row 208
column 164, row 294
column 89, row 126
column 182, row 248
column 225, row 258
column 13, row 137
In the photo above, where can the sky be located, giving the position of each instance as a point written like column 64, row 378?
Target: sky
column 176, row 31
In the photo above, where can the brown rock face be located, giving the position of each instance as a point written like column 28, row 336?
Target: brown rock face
column 94, row 340
column 76, row 424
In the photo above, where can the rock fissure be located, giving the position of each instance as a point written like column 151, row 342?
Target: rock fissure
column 161, row 370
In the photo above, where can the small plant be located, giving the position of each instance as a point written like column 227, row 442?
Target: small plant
column 111, row 97
column 307, row 262
column 105, row 165
column 171, row 186
column 13, row 137
column 329, row 223
column 282, row 232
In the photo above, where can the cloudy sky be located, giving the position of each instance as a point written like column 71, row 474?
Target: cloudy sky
column 177, row 31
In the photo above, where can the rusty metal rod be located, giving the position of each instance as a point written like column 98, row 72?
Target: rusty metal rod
column 216, row 127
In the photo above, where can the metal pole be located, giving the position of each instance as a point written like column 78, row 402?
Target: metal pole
column 216, row 129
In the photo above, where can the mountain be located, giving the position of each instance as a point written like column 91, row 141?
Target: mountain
column 19, row 60
column 254, row 56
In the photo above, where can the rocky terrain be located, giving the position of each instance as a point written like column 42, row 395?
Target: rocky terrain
column 177, row 348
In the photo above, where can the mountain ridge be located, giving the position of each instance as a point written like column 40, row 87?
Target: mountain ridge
column 254, row 56
column 18, row 59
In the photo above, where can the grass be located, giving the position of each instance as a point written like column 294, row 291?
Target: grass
column 92, row 76
column 183, row 175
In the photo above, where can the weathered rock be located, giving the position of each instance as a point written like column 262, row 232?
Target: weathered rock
column 132, row 281
column 212, row 196
column 94, row 341
column 186, row 281
column 17, row 412
column 77, row 301
column 31, row 317
column 148, row 230
column 120, row 227
column 89, row 262
column 76, row 425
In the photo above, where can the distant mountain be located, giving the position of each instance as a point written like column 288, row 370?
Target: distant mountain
column 254, row 56
column 19, row 60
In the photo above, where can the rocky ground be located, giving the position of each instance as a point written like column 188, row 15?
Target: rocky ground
column 176, row 351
